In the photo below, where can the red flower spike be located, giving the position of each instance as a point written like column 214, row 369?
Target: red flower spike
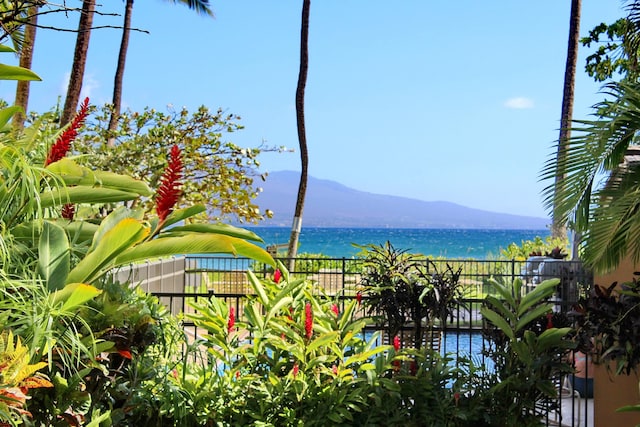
column 169, row 190
column 277, row 276
column 359, row 298
column 125, row 353
column 335, row 310
column 396, row 365
column 308, row 320
column 237, row 375
column 62, row 145
column 396, row 343
column 334, row 369
column 68, row 211
column 549, row 322
column 295, row 369
column 232, row 319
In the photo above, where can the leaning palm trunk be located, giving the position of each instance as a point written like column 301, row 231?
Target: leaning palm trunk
column 559, row 228
column 26, row 59
column 79, row 61
column 119, row 77
column 302, row 137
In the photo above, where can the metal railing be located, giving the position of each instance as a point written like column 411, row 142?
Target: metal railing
column 179, row 280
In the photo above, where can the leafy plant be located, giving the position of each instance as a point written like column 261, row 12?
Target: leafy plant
column 527, row 360
column 609, row 324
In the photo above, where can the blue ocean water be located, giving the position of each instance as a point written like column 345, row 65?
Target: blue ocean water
column 449, row 243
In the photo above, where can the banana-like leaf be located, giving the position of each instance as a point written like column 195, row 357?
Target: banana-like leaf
column 73, row 295
column 112, row 220
column 115, row 242
column 53, row 255
column 277, row 307
column 82, row 194
column 552, row 338
column 225, row 229
column 256, row 284
column 7, row 113
column 12, row 72
column 194, row 244
column 182, row 214
column 5, row 49
column 504, row 292
column 123, row 183
column 72, row 173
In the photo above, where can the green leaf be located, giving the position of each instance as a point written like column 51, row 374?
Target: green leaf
column 539, row 293
column 533, row 315
column 71, row 172
column 82, row 194
column 53, row 255
column 115, row 242
column 257, row 286
column 322, row 340
column 123, row 183
column 112, row 220
column 181, row 214
column 6, row 49
column 552, row 337
column 12, row 72
column 224, row 229
column 498, row 321
column 7, row 113
column 73, row 295
column 278, row 306
column 504, row 292
column 194, row 244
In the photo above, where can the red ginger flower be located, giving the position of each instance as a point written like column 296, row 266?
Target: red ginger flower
column 308, row 320
column 359, row 298
column 277, row 276
column 549, row 321
column 295, row 369
column 62, row 145
column 169, row 190
column 335, row 310
column 396, row 343
column 232, row 319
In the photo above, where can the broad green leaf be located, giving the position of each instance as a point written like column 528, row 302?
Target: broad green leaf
column 116, row 241
column 72, row 173
column 254, row 316
column 533, row 315
column 538, row 294
column 123, row 183
column 12, row 72
column 257, row 286
column 227, row 230
column 279, row 305
column 7, row 113
column 322, row 340
column 498, row 321
column 552, row 337
column 73, row 295
column 182, row 214
column 82, row 194
column 53, row 255
column 501, row 308
column 5, row 49
column 504, row 292
column 194, row 244
column 112, row 220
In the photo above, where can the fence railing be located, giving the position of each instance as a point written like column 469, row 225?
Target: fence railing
column 178, row 280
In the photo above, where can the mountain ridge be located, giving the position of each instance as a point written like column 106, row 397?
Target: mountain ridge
column 332, row 204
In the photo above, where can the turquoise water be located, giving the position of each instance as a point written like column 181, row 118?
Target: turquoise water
column 450, row 243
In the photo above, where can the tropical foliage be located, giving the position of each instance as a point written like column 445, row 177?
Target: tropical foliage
column 600, row 191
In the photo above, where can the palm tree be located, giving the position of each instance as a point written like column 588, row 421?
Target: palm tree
column 26, row 59
column 200, row 6
column 601, row 191
column 79, row 61
column 302, row 136
column 559, row 228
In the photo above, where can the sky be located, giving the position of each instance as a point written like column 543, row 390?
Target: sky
column 435, row 100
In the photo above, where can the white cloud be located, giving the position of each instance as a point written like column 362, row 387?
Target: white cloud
column 89, row 85
column 519, row 103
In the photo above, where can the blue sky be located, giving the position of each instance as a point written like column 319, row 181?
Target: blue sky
column 433, row 100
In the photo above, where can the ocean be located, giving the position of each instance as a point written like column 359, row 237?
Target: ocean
column 449, row 243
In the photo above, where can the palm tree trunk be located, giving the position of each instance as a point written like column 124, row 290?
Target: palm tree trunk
column 302, row 136
column 117, row 83
column 559, row 228
column 26, row 59
column 79, row 61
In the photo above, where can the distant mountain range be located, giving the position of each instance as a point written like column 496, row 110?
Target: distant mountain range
column 330, row 204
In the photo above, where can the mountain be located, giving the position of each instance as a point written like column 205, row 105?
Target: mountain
column 330, row 204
